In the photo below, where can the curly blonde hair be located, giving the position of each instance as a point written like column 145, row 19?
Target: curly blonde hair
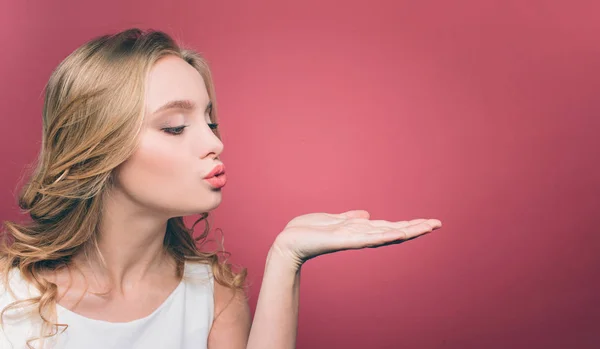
column 92, row 116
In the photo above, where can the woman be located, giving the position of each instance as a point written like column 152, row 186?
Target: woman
column 130, row 146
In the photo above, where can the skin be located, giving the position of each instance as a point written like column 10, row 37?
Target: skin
column 163, row 179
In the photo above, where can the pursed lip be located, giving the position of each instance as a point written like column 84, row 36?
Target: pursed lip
column 219, row 169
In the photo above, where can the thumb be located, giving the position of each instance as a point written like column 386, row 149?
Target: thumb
column 356, row 214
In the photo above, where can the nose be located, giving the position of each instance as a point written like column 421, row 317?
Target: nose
column 209, row 142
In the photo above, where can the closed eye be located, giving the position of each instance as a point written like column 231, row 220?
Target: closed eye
column 174, row 130
column 179, row 129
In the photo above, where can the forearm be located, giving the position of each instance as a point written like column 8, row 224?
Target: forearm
column 275, row 323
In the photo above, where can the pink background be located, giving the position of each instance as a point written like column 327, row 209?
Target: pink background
column 483, row 114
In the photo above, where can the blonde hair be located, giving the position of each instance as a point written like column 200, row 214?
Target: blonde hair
column 92, row 116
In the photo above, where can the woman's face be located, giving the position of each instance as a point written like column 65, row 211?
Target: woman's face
column 166, row 173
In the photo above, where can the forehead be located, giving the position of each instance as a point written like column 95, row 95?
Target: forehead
column 172, row 78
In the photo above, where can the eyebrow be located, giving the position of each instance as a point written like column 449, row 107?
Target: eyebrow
column 184, row 104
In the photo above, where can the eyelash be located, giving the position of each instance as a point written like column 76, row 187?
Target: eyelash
column 179, row 130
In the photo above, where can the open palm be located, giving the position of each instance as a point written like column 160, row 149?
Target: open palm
column 314, row 234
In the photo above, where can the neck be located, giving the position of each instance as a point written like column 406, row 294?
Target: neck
column 129, row 249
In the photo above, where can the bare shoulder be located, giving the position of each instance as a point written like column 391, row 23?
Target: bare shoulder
column 232, row 320
column 228, row 300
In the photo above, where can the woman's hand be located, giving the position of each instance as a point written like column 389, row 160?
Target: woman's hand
column 314, row 234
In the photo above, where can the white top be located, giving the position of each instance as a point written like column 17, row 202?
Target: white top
column 182, row 321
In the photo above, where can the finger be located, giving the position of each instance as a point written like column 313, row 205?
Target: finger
column 421, row 228
column 362, row 214
column 384, row 238
column 380, row 223
column 362, row 226
column 395, row 225
column 383, row 235
column 373, row 238
column 434, row 223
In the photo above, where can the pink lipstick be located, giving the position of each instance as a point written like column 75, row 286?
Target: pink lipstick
column 217, row 177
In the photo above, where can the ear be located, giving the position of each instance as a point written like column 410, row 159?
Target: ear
column 356, row 214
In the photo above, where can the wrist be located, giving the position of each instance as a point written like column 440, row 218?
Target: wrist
column 283, row 258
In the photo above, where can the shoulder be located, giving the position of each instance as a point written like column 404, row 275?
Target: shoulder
column 16, row 321
column 198, row 274
column 232, row 319
column 15, row 288
column 224, row 296
column 12, row 287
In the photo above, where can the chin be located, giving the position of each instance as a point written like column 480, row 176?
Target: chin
column 199, row 210
column 193, row 206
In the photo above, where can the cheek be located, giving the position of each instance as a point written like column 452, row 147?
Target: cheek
column 156, row 169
